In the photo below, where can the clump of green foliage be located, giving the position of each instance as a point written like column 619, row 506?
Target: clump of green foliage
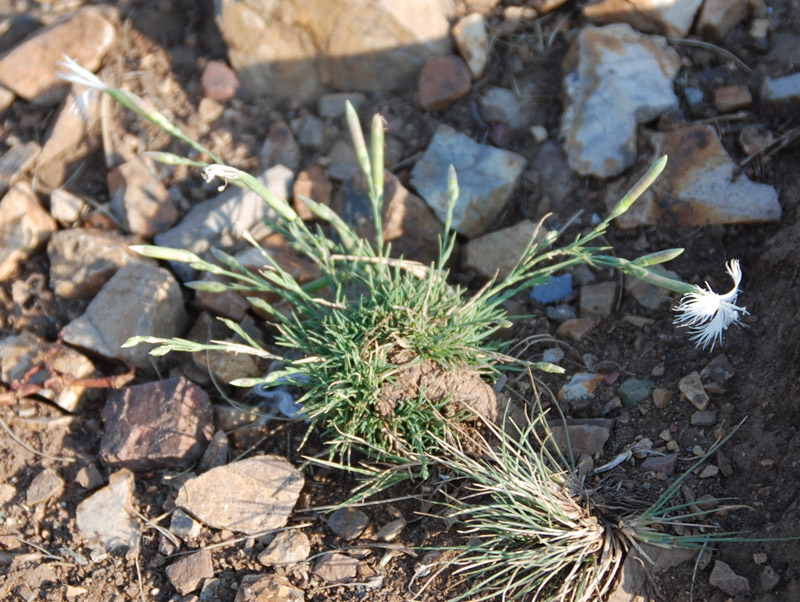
column 348, row 326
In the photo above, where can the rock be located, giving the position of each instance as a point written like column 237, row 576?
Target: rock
column 24, row 225
column 268, row 588
column 705, row 418
column 663, row 464
column 691, row 386
column 641, row 564
column 754, row 138
column 472, row 42
column 184, row 526
column 343, row 161
column 16, row 162
column 89, row 477
column 106, row 517
column 584, row 438
column 228, row 418
column 16, row 27
column 668, row 18
column 248, row 496
column 781, row 96
column 44, row 487
column 700, row 186
column 280, row 148
column 560, row 313
column 165, row 424
column 66, row 207
column 348, row 523
column 539, row 133
column 313, row 184
column 718, row 17
column 139, row 199
column 501, row 105
column 634, row 390
column 83, row 260
column 336, row 568
column 498, row 252
column 187, row 574
column 486, row 177
column 30, row 69
column 732, row 98
column 725, row 466
column 553, row 289
column 332, row 106
column 408, row 223
column 293, row 49
column 218, row 222
column 709, row 472
column 6, row 99
column 661, row 398
column 219, row 81
column 576, row 328
column 68, row 139
column 310, row 131
column 598, row 299
column 616, row 79
column 443, row 81
column 553, row 355
column 545, row 6
column 646, row 294
column 287, row 547
column 216, row 453
column 209, row 111
column 720, row 369
column 723, row 577
column 391, row 530
column 226, row 366
column 7, row 493
column 555, row 177
column 769, row 578
column 139, row 300
column 581, row 386
column 21, row 353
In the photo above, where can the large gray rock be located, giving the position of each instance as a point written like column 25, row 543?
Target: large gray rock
column 30, row 69
column 486, row 178
column 297, row 48
column 498, row 252
column 701, row 185
column 616, row 78
column 166, row 424
column 218, row 222
column 248, row 496
column 140, row 299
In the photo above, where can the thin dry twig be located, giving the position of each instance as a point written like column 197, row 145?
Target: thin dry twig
column 713, row 47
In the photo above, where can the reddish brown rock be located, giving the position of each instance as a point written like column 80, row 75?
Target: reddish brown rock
column 732, row 98
column 443, row 81
column 166, row 424
column 139, row 199
column 24, row 225
column 30, row 69
column 313, row 184
column 219, row 81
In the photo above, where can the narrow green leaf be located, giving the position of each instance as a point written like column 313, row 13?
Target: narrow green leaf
column 207, row 286
column 165, row 253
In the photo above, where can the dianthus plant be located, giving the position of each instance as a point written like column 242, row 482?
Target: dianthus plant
column 345, row 339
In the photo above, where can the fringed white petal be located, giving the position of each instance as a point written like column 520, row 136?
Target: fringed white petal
column 708, row 314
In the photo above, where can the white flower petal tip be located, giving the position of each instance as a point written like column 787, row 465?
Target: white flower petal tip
column 76, row 74
column 223, row 172
column 708, row 314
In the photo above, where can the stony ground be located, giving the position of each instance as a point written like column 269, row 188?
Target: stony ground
column 69, row 417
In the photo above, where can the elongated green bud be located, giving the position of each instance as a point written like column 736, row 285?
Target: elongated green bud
column 207, row 286
column 172, row 159
column 377, row 156
column 657, row 257
column 358, row 142
column 636, row 191
column 165, row 253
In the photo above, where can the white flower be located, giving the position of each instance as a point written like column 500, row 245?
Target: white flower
column 83, row 77
column 223, row 172
column 708, row 314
